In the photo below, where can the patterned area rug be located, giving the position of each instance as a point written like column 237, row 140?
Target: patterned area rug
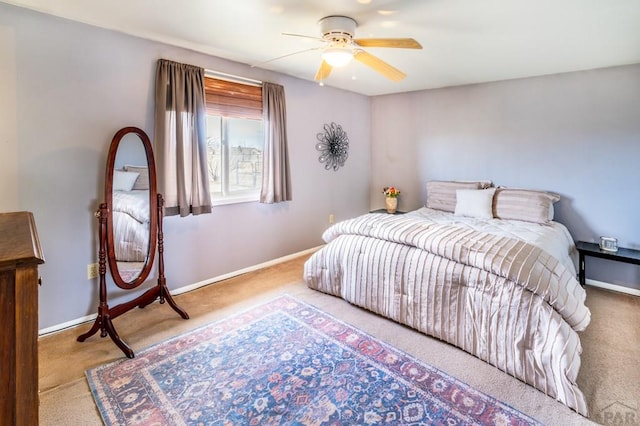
column 285, row 363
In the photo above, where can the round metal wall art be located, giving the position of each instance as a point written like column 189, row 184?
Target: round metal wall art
column 333, row 146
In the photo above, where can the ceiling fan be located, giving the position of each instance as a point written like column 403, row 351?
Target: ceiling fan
column 340, row 47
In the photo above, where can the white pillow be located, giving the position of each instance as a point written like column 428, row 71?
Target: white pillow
column 475, row 203
column 441, row 194
column 123, row 181
column 143, row 180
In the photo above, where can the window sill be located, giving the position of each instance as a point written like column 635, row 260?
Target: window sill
column 253, row 198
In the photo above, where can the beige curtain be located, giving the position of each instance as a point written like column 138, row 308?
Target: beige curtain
column 276, row 181
column 181, row 138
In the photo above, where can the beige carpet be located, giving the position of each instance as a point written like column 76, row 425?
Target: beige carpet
column 609, row 376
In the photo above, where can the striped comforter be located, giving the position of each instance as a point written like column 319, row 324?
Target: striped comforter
column 502, row 299
column 131, row 225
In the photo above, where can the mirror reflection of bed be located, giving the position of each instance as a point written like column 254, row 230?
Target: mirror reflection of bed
column 131, row 207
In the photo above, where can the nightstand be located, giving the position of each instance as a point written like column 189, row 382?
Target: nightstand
column 625, row 255
column 385, row 211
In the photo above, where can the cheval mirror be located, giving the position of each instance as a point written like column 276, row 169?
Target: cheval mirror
column 130, row 231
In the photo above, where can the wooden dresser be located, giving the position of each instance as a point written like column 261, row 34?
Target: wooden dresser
column 20, row 255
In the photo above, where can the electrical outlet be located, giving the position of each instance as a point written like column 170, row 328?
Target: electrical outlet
column 92, row 271
column 332, row 219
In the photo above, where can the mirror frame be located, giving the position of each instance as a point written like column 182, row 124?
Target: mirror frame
column 153, row 208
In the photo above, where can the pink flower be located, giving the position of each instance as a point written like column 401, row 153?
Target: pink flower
column 390, row 191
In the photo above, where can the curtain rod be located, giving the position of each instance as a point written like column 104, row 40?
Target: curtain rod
column 231, row 77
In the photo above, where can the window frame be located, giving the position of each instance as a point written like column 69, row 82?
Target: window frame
column 232, row 97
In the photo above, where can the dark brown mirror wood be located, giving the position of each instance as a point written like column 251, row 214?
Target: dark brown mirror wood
column 116, row 195
column 123, row 178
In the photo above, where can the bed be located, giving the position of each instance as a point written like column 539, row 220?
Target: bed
column 484, row 269
column 131, row 225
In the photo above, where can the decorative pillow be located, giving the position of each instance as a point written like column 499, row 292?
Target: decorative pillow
column 475, row 203
column 123, row 181
column 441, row 195
column 143, row 179
column 524, row 204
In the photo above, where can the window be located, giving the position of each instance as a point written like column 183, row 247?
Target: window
column 235, row 140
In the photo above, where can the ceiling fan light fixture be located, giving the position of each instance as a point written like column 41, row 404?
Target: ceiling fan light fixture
column 337, row 56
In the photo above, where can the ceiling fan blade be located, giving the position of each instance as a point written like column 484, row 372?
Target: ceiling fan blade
column 303, row 36
column 323, row 71
column 402, row 43
column 379, row 65
column 285, row 56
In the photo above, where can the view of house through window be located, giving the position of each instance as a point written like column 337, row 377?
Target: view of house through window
column 234, row 147
column 235, row 139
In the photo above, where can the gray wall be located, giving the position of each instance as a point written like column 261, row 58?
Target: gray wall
column 66, row 88
column 577, row 134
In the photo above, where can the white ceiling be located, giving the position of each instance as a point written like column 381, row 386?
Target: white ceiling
column 465, row 41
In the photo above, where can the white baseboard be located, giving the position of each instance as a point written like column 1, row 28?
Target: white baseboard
column 197, row 285
column 613, row 287
column 65, row 325
column 184, row 289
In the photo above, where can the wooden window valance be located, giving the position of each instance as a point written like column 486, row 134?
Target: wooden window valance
column 232, row 99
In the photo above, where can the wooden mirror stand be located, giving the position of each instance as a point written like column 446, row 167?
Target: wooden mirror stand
column 107, row 250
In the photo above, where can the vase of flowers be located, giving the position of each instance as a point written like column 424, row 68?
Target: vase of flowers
column 391, row 198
